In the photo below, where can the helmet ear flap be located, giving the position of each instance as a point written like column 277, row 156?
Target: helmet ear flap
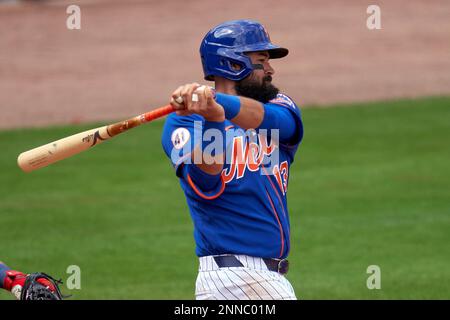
column 239, row 66
column 229, row 65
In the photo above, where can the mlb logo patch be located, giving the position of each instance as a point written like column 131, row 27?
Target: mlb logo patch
column 180, row 137
column 283, row 99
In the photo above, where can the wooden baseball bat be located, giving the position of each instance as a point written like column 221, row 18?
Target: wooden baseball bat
column 66, row 147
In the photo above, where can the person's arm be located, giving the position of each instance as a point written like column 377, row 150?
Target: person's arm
column 214, row 116
column 207, row 161
column 206, row 166
column 251, row 114
column 245, row 112
column 182, row 142
column 3, row 269
column 13, row 281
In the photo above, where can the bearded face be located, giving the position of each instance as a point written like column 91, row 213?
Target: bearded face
column 258, row 89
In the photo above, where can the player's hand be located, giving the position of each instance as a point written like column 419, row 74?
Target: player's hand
column 15, row 280
column 194, row 98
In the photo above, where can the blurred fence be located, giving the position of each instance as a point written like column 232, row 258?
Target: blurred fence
column 128, row 56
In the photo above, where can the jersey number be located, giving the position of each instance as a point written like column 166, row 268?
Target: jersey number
column 281, row 174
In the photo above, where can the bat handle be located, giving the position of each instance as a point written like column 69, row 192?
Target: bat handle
column 122, row 126
column 158, row 113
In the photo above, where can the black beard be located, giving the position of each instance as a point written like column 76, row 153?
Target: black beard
column 261, row 92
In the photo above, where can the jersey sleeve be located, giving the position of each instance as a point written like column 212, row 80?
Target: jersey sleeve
column 284, row 101
column 180, row 136
column 178, row 139
column 203, row 185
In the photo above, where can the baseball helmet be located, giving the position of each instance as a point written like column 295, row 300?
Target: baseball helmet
column 228, row 42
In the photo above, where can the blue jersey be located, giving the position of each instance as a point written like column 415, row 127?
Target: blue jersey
column 247, row 212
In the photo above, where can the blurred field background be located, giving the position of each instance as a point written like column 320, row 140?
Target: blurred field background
column 370, row 184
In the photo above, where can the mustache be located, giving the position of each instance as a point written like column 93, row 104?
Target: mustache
column 267, row 79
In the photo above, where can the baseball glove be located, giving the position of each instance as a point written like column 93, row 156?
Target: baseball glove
column 34, row 289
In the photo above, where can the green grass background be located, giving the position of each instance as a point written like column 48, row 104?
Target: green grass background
column 370, row 186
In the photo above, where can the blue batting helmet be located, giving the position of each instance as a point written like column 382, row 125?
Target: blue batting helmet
column 228, row 42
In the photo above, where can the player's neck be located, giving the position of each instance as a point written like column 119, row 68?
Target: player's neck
column 225, row 86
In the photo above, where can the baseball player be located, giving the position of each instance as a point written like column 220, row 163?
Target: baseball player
column 231, row 147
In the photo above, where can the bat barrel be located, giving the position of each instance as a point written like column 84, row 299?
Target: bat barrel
column 61, row 149
column 66, row 147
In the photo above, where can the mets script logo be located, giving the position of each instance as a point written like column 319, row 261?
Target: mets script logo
column 247, row 156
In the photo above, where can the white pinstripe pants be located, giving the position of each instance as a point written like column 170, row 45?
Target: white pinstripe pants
column 253, row 281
